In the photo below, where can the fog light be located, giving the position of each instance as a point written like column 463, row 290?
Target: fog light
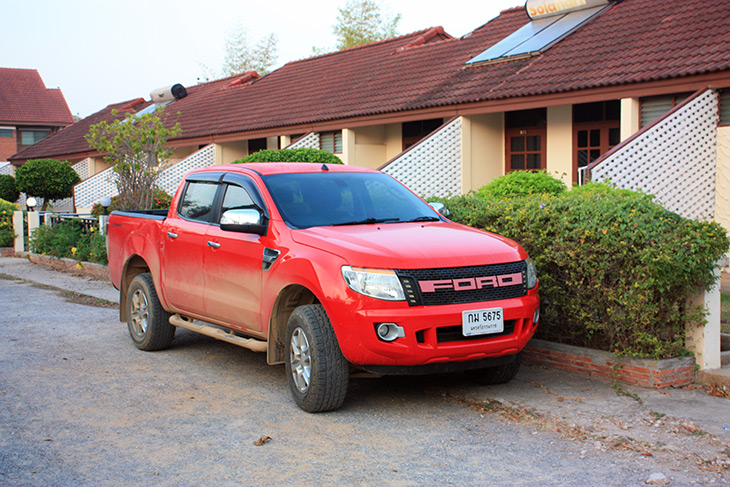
column 389, row 331
column 536, row 318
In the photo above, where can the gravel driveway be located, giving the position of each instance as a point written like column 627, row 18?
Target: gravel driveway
column 80, row 405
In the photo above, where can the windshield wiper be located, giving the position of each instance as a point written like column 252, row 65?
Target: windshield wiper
column 367, row 221
column 426, row 219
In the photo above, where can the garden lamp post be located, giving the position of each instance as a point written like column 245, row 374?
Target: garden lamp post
column 31, row 203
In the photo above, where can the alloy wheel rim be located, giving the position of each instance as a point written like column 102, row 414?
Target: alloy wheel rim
column 300, row 358
column 140, row 313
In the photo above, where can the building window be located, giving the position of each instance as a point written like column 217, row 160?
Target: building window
column 331, row 142
column 525, row 134
column 255, row 145
column 30, row 137
column 725, row 107
column 6, row 133
column 655, row 106
column 596, row 130
column 413, row 132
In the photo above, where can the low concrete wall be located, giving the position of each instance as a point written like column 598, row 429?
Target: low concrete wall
column 659, row 374
column 88, row 269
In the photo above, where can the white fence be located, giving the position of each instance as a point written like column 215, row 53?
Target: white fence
column 89, row 192
column 433, row 166
column 674, row 159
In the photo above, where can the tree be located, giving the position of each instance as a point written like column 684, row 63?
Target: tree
column 8, row 189
column 136, row 147
column 48, row 179
column 241, row 56
column 362, row 21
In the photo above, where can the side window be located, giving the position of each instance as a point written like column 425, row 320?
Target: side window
column 236, row 198
column 197, row 204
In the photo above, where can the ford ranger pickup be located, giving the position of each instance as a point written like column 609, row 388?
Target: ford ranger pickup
column 327, row 269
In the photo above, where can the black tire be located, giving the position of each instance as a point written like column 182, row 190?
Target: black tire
column 501, row 374
column 148, row 322
column 317, row 371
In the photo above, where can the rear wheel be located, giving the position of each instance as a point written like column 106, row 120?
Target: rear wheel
column 148, row 322
column 317, row 371
column 501, row 374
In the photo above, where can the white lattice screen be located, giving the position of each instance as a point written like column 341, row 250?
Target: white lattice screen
column 433, row 167
column 309, row 141
column 675, row 160
column 6, row 168
column 90, row 191
column 170, row 177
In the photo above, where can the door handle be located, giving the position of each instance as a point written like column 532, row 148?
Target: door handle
column 172, row 235
column 215, row 245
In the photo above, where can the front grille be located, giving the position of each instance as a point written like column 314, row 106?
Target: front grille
column 447, row 334
column 410, row 279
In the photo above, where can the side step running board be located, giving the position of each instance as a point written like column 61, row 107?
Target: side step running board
column 219, row 334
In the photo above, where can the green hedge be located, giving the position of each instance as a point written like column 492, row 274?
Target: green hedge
column 521, row 183
column 70, row 239
column 7, row 233
column 616, row 270
column 292, row 155
column 8, row 189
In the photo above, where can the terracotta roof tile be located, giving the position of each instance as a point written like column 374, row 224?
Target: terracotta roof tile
column 24, row 99
column 634, row 41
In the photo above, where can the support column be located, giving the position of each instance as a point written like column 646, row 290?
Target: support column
column 19, row 228
column 704, row 341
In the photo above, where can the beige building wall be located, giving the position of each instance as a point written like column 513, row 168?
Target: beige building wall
column 630, row 117
column 722, row 186
column 180, row 153
column 371, row 146
column 228, row 152
column 559, row 143
column 482, row 149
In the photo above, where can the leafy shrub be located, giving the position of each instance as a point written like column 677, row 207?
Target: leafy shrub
column 7, row 233
column 8, row 189
column 161, row 200
column 292, row 155
column 521, row 183
column 616, row 269
column 46, row 178
column 70, row 239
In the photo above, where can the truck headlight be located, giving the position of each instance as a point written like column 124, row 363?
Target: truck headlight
column 376, row 283
column 531, row 274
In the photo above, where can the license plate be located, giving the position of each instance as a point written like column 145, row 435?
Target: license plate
column 482, row 322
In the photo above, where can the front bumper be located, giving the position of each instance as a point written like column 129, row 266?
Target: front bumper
column 432, row 333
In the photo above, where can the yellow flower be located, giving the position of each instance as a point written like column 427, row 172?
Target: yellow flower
column 79, row 266
column 93, row 228
column 73, row 250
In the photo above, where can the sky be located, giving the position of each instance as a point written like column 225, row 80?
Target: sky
column 100, row 52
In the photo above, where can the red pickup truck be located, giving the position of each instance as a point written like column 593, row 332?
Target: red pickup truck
column 326, row 268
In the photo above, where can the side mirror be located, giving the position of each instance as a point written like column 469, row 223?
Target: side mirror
column 247, row 220
column 440, row 207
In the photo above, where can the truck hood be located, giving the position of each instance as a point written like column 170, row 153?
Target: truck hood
column 412, row 245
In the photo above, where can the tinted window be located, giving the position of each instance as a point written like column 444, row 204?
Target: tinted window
column 236, row 198
column 197, row 204
column 324, row 199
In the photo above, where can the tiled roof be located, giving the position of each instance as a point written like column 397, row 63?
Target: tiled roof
column 24, row 99
column 634, row 41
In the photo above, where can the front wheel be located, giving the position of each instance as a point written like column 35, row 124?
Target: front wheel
column 501, row 374
column 317, row 371
column 148, row 322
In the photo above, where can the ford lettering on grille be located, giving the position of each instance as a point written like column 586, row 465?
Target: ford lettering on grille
column 474, row 284
column 471, row 283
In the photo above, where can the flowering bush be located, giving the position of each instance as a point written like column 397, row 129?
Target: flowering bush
column 70, row 239
column 7, row 233
column 616, row 269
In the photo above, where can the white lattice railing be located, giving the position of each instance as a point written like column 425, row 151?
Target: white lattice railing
column 673, row 159
column 6, row 168
column 309, row 141
column 88, row 192
column 433, row 166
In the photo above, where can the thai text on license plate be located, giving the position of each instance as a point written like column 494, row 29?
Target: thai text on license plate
column 482, row 322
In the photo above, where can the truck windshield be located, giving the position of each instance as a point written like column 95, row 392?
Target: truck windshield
column 329, row 199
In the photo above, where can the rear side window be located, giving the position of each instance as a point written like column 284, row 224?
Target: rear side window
column 197, row 203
